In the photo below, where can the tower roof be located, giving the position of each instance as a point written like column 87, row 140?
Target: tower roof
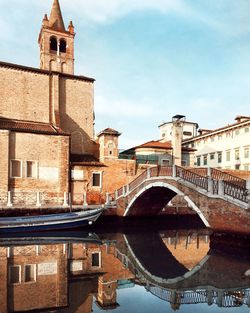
column 56, row 19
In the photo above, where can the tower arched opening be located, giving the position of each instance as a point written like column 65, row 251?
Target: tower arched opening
column 63, row 46
column 53, row 44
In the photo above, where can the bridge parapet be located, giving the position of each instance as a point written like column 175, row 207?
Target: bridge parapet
column 212, row 181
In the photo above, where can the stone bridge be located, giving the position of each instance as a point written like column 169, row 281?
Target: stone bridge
column 221, row 200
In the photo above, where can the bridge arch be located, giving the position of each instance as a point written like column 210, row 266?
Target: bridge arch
column 174, row 190
column 155, row 279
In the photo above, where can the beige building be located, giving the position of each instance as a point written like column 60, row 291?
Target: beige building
column 227, row 147
column 169, row 149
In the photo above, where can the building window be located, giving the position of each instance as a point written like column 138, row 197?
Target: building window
column 63, row 46
column 212, row 156
column 228, row 155
column 96, row 180
column 246, row 167
column 96, row 259
column 53, row 44
column 237, row 166
column 212, row 139
column 16, row 168
column 15, row 274
column 246, row 152
column 165, row 162
column 237, row 154
column 247, row 130
column 184, row 163
column 110, row 149
column 219, row 157
column 228, row 134
column 31, row 169
column 205, row 159
column 198, row 161
column 163, row 135
column 219, row 137
column 237, row 132
column 30, row 273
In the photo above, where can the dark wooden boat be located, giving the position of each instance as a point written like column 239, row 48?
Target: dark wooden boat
column 49, row 222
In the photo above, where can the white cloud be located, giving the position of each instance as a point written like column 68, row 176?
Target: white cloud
column 108, row 10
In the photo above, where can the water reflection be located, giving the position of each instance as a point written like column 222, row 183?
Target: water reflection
column 80, row 272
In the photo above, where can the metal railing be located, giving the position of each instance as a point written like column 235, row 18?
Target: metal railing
column 233, row 186
column 192, row 177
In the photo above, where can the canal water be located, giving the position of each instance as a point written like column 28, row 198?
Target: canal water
column 128, row 271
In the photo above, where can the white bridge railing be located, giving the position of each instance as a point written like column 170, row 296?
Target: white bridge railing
column 24, row 199
column 213, row 181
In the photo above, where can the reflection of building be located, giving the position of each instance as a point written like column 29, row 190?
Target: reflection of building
column 56, row 276
column 34, row 277
column 188, row 250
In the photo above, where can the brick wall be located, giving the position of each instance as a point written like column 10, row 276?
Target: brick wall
column 24, row 95
column 50, row 153
column 77, row 113
column 4, row 160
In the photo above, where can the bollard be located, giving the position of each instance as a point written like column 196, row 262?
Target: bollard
column 107, row 198
column 221, row 187
column 85, row 203
column 210, row 184
column 127, row 189
column 209, row 172
column 38, row 199
column 9, row 202
column 174, row 171
column 65, row 200
column 148, row 173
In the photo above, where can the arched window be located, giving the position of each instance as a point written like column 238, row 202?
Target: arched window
column 53, row 65
column 63, row 46
column 53, row 44
column 64, row 67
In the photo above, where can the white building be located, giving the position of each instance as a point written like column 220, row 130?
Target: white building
column 226, row 147
column 189, row 129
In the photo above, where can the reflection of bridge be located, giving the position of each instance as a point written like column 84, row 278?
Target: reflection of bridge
column 223, row 298
column 209, row 282
column 220, row 199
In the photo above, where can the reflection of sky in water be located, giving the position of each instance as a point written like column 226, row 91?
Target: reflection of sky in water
column 137, row 300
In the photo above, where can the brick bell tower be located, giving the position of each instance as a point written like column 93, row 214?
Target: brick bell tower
column 56, row 43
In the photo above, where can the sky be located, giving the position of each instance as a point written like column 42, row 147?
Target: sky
column 152, row 59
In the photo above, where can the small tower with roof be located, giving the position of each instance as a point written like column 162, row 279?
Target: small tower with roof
column 56, row 43
column 108, row 141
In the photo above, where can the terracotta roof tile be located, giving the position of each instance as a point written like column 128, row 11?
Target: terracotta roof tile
column 30, row 127
column 109, row 131
column 156, row 144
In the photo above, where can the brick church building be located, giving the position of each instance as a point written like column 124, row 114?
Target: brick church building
column 47, row 141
